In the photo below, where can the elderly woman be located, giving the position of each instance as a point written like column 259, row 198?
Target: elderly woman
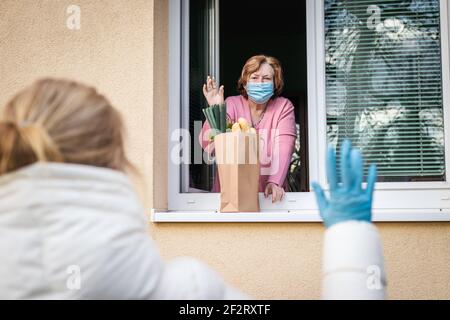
column 261, row 104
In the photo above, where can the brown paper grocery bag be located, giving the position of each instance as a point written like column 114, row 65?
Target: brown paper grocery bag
column 237, row 158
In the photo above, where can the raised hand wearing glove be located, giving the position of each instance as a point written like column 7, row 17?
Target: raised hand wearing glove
column 353, row 264
column 348, row 200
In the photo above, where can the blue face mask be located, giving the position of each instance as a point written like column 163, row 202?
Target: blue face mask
column 260, row 92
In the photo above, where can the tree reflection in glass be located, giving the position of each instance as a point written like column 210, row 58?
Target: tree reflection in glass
column 383, row 84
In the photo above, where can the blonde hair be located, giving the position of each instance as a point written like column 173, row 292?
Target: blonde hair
column 253, row 64
column 57, row 120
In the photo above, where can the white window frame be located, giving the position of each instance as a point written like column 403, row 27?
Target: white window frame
column 397, row 201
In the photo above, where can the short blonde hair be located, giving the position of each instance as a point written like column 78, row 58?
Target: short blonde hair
column 253, row 64
column 57, row 120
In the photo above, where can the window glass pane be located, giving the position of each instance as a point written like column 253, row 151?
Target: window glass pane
column 202, row 57
column 384, row 85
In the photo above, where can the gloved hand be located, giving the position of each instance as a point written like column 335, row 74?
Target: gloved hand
column 348, row 201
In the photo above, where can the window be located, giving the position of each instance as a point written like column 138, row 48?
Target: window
column 373, row 71
column 383, row 85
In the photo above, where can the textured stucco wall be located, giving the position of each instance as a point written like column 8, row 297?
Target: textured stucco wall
column 122, row 49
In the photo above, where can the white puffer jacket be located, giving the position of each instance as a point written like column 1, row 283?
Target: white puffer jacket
column 79, row 232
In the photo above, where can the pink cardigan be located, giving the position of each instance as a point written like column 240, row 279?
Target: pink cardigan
column 277, row 127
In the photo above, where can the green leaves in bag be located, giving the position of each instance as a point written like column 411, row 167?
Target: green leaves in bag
column 216, row 116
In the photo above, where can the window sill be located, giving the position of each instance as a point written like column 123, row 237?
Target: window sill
column 383, row 215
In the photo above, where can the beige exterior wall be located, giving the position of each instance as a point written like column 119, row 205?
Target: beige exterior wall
column 122, row 50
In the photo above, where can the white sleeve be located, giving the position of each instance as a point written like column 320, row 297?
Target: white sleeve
column 353, row 266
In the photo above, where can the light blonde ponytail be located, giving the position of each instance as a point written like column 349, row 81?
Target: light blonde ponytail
column 23, row 145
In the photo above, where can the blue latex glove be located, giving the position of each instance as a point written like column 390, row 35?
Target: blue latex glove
column 348, row 201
